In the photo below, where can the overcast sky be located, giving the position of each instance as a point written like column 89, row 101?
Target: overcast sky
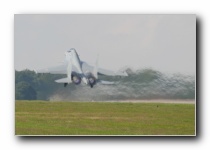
column 166, row 43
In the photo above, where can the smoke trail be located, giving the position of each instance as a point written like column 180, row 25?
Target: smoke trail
column 140, row 84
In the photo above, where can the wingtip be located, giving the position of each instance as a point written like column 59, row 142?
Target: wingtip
column 122, row 73
column 125, row 73
column 35, row 71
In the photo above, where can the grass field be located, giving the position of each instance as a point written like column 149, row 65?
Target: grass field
column 103, row 118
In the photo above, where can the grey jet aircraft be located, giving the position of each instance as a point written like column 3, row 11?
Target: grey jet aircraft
column 77, row 71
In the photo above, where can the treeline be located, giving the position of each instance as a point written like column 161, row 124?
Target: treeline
column 141, row 84
column 32, row 86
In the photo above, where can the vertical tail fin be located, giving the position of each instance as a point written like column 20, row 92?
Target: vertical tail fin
column 95, row 70
column 69, row 68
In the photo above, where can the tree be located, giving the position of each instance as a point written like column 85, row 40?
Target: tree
column 23, row 91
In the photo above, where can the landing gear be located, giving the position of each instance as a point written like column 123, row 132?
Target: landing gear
column 65, row 84
column 91, row 81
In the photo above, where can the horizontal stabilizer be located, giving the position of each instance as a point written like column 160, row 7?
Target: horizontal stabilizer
column 64, row 80
column 121, row 73
column 106, row 82
column 61, row 69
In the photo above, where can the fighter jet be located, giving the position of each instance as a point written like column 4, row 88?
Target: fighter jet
column 77, row 71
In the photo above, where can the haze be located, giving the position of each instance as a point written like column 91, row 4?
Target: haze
column 166, row 43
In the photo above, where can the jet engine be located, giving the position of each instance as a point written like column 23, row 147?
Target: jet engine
column 91, row 79
column 76, row 79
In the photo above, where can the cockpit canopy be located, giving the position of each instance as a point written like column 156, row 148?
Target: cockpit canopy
column 70, row 50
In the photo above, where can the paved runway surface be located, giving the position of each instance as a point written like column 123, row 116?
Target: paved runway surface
column 178, row 101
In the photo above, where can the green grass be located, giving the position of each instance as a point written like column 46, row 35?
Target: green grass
column 103, row 118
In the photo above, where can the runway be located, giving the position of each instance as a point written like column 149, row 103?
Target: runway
column 170, row 101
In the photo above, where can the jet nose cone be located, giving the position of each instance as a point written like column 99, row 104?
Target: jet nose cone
column 84, row 80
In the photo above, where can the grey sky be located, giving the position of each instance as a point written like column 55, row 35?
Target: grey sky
column 166, row 43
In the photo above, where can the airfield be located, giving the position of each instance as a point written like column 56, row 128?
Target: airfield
column 177, row 101
column 112, row 118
